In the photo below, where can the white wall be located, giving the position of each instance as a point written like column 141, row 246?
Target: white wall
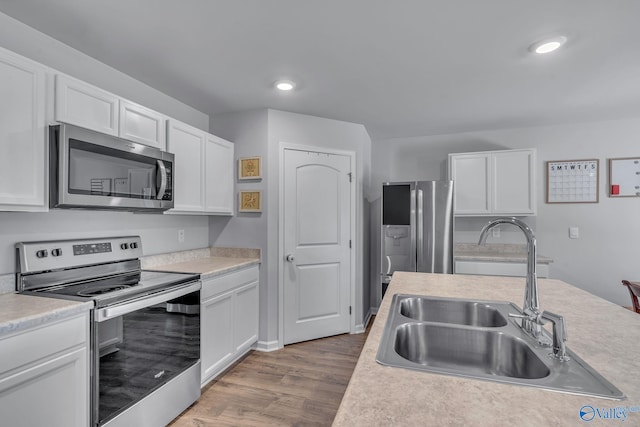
column 260, row 133
column 26, row 41
column 159, row 232
column 248, row 131
column 301, row 129
column 607, row 250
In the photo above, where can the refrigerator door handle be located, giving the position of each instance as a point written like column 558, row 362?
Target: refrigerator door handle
column 412, row 221
column 420, row 231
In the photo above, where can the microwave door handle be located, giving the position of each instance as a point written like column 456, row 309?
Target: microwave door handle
column 163, row 179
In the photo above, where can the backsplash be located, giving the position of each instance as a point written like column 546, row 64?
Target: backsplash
column 490, row 248
column 7, row 283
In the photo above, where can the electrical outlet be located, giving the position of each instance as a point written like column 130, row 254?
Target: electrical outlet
column 496, row 232
column 574, row 232
column 180, row 236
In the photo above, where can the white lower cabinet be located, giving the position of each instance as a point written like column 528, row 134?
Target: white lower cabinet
column 229, row 319
column 484, row 268
column 44, row 375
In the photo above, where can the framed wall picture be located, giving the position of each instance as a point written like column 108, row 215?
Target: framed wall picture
column 250, row 201
column 250, row 168
column 573, row 181
column 624, row 177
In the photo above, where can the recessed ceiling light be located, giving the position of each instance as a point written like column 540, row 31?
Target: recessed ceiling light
column 547, row 45
column 285, row 85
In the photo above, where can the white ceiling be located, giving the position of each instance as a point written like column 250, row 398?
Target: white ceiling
column 401, row 68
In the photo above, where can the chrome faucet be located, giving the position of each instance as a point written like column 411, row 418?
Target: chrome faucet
column 532, row 318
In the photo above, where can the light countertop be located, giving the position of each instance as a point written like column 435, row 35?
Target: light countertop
column 20, row 312
column 603, row 334
column 495, row 253
column 208, row 262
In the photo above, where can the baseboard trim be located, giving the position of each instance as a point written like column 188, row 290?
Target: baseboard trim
column 267, row 346
column 359, row 329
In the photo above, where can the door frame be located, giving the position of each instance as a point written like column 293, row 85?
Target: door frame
column 354, row 246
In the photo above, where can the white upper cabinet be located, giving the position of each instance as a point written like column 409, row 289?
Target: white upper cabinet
column 87, row 106
column 203, row 171
column 188, row 145
column 470, row 173
column 219, row 176
column 81, row 104
column 142, row 125
column 494, row 183
column 23, row 165
column 514, row 182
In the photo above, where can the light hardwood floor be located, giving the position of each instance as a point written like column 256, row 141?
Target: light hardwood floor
column 300, row 385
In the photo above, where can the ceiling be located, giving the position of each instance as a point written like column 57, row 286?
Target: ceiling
column 402, row 68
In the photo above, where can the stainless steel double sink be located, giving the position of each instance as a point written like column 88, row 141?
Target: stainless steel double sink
column 477, row 339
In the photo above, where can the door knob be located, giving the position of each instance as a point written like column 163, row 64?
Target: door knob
column 289, row 258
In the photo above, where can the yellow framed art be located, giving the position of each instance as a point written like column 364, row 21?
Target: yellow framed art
column 250, row 201
column 250, row 168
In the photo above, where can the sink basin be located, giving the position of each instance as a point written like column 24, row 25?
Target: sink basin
column 477, row 339
column 480, row 351
column 459, row 312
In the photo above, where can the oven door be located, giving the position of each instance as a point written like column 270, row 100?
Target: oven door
column 92, row 170
column 142, row 352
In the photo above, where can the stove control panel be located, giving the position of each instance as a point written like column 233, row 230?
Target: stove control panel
column 93, row 248
column 58, row 254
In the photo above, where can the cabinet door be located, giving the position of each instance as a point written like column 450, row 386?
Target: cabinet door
column 513, row 174
column 23, row 166
column 217, row 341
column 246, row 317
column 219, row 176
column 187, row 144
column 81, row 104
column 142, row 125
column 470, row 173
column 53, row 393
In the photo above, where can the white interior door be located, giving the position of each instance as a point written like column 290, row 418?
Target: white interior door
column 317, row 229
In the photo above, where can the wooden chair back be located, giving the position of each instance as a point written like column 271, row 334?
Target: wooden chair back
column 634, row 291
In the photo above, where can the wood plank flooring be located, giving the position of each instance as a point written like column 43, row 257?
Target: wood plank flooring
column 300, row 385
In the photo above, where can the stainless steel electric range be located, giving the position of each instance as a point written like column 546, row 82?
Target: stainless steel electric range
column 145, row 325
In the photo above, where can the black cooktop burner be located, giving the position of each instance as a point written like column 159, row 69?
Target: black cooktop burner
column 112, row 289
column 99, row 290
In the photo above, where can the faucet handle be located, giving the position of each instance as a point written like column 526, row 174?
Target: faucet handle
column 519, row 316
column 559, row 334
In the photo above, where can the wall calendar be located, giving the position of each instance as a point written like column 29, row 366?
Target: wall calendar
column 573, row 181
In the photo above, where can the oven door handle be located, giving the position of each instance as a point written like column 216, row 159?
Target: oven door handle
column 107, row 313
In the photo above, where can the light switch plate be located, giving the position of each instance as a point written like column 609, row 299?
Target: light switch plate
column 574, row 232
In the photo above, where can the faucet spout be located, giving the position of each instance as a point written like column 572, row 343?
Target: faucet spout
column 531, row 304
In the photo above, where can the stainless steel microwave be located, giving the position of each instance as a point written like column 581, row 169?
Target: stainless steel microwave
column 90, row 170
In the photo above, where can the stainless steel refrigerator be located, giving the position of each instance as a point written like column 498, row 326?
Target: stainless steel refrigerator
column 417, row 228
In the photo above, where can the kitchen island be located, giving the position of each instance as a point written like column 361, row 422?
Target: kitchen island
column 603, row 334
